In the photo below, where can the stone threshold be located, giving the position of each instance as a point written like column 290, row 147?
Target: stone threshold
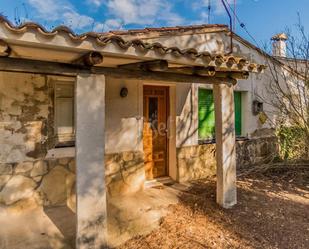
column 159, row 182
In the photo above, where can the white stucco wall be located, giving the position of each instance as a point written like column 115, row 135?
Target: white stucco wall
column 123, row 116
column 211, row 42
column 24, row 109
column 186, row 115
column 124, row 123
column 252, row 89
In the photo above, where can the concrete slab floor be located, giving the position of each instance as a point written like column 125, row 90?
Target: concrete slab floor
column 33, row 228
column 54, row 227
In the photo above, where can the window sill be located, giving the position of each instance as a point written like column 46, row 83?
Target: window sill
column 213, row 140
column 61, row 152
column 240, row 138
column 207, row 141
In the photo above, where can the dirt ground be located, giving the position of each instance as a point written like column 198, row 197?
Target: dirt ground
column 272, row 212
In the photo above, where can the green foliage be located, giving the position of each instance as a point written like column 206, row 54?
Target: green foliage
column 293, row 142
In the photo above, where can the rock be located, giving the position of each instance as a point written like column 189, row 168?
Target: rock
column 127, row 156
column 15, row 155
column 3, row 180
column 17, row 188
column 72, row 166
column 112, row 168
column 39, row 169
column 71, row 192
column 64, row 161
column 133, row 181
column 21, row 206
column 53, row 185
column 23, row 167
column 52, row 163
column 37, row 178
column 5, row 148
column 6, row 169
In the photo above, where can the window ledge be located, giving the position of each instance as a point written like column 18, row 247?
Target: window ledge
column 242, row 138
column 61, row 152
column 207, row 141
column 213, row 141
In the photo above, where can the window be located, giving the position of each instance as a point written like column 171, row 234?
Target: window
column 64, row 113
column 238, row 116
column 206, row 114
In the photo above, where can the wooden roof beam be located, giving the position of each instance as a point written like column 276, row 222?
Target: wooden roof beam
column 204, row 71
column 234, row 75
column 4, row 48
column 209, row 72
column 89, row 59
column 65, row 69
column 154, row 65
column 200, row 71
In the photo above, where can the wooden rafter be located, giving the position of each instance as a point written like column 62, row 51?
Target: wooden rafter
column 55, row 68
column 154, row 65
column 4, row 48
column 162, row 66
column 89, row 59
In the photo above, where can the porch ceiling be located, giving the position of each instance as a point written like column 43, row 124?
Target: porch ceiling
column 32, row 41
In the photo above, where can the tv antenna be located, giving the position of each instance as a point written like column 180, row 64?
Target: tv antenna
column 209, row 10
column 231, row 24
column 234, row 10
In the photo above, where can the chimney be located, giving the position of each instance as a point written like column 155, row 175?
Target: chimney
column 279, row 45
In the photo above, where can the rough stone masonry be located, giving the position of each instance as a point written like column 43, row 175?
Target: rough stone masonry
column 27, row 134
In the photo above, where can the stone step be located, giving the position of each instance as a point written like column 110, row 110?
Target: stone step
column 159, row 182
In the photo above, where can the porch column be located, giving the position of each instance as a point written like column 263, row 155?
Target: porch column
column 90, row 172
column 225, row 145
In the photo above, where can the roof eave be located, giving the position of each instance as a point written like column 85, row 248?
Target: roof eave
column 62, row 39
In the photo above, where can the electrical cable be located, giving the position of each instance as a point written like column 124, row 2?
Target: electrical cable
column 242, row 24
column 234, row 24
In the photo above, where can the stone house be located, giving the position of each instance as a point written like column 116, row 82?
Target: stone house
column 87, row 116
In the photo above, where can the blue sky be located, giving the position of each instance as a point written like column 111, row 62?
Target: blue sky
column 263, row 18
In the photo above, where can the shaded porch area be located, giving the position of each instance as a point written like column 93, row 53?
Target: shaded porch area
column 265, row 198
column 91, row 61
column 55, row 227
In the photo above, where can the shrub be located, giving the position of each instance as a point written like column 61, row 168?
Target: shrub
column 293, row 143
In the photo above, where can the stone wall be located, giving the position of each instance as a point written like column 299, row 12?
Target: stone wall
column 42, row 182
column 51, row 182
column 195, row 162
column 26, row 135
column 256, row 151
column 125, row 172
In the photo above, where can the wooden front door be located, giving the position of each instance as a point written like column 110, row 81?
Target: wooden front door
column 155, row 131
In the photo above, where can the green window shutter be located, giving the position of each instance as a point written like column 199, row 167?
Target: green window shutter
column 237, row 101
column 206, row 114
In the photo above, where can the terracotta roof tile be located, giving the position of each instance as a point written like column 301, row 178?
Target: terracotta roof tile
column 102, row 39
column 166, row 29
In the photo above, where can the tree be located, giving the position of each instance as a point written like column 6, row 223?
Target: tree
column 289, row 91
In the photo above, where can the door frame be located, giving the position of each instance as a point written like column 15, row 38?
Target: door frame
column 171, row 119
column 166, row 110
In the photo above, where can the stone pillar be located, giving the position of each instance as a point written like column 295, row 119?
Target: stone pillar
column 225, row 145
column 90, row 172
